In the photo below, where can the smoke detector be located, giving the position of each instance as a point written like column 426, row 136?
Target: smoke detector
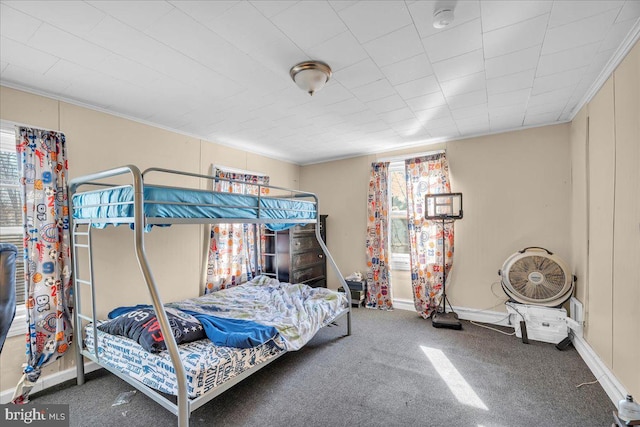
column 442, row 17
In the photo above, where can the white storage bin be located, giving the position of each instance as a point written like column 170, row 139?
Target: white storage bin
column 543, row 323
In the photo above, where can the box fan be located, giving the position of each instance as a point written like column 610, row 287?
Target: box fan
column 538, row 283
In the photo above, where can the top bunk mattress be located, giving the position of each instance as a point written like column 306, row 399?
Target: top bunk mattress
column 177, row 203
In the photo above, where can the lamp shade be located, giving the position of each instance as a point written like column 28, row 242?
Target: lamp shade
column 310, row 76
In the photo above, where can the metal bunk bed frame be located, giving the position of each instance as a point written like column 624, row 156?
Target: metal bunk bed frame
column 184, row 406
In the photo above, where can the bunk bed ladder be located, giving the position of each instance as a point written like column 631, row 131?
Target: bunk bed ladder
column 271, row 254
column 85, row 244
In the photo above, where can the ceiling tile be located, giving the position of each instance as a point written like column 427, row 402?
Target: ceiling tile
column 446, row 132
column 470, row 83
column 369, row 20
column 630, row 10
column 339, row 52
column 426, row 102
column 390, row 103
column 421, row 86
column 474, row 125
column 555, row 109
column 180, row 32
column 399, row 115
column 616, row 34
column 505, row 122
column 408, row 70
column 309, row 23
column 362, row 117
column 422, row 11
column 446, row 121
column 17, row 25
column 439, row 112
column 460, row 66
column 516, row 97
column 349, row 106
column 358, row 74
column 67, row 46
column 73, row 17
column 339, row 5
column 556, row 81
column 372, row 91
column 137, row 14
column 553, row 97
column 246, row 28
column 453, row 42
column 35, row 80
column 407, row 127
column 498, row 14
column 566, row 60
column 26, row 57
column 271, row 8
column 515, row 37
column 512, row 62
column 540, row 119
column 467, row 100
column 473, row 111
column 565, row 12
column 522, row 80
column 579, row 33
column 394, row 47
column 120, row 38
column 129, row 71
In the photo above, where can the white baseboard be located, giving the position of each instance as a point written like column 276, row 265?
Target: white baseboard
column 403, row 304
column 603, row 374
column 51, row 380
column 483, row 316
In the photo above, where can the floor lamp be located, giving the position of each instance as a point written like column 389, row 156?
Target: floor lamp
column 445, row 207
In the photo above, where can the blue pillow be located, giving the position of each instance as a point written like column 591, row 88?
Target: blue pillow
column 142, row 326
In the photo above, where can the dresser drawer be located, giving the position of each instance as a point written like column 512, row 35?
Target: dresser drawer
column 304, row 243
column 309, row 273
column 304, row 229
column 303, row 259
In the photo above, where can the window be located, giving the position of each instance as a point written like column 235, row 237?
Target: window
column 11, row 204
column 399, row 234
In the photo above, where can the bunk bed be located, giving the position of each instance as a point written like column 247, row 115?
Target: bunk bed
column 184, row 377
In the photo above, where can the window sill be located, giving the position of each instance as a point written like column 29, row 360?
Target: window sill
column 19, row 324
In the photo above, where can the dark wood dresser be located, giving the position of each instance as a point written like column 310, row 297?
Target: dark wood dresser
column 295, row 256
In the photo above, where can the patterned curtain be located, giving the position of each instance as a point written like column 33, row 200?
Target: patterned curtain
column 42, row 159
column 427, row 175
column 231, row 259
column 379, row 269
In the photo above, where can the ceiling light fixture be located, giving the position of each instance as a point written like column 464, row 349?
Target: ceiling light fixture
column 310, row 76
column 442, row 17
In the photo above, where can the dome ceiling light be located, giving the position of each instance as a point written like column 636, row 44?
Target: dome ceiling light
column 310, row 76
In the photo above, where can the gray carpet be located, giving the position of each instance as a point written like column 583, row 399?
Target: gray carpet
column 378, row 376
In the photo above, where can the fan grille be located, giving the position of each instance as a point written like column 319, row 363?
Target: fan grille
column 548, row 283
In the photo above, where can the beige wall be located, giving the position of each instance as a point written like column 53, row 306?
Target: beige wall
column 516, row 190
column 606, row 212
column 98, row 141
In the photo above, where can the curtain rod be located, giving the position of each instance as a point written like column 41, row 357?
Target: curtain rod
column 404, row 157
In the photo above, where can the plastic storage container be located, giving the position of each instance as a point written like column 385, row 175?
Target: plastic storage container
column 628, row 410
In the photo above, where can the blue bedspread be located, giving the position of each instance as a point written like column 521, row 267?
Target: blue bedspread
column 238, row 333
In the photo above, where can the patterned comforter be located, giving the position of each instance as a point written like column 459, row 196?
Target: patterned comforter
column 296, row 311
